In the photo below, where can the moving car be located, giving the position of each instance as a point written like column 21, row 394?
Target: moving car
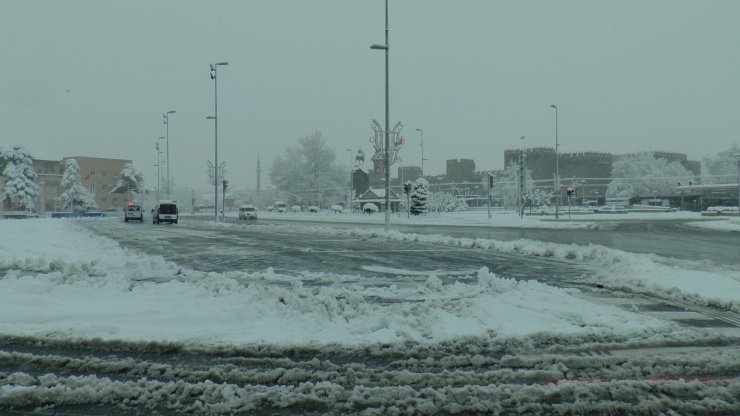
column 133, row 212
column 247, row 212
column 165, row 211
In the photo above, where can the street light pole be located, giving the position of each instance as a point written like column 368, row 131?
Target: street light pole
column 386, row 48
column 158, row 166
column 166, row 117
column 351, row 181
column 557, row 173
column 214, row 69
column 422, row 151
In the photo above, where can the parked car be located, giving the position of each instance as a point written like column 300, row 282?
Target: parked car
column 247, row 212
column 165, row 211
column 133, row 212
column 279, row 206
column 295, row 208
column 313, row 208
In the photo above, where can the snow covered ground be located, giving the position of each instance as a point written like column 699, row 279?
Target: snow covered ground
column 58, row 280
column 241, row 343
column 726, row 224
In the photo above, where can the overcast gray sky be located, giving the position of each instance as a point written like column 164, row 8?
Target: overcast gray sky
column 92, row 78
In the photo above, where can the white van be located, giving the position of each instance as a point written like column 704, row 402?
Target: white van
column 279, row 206
column 165, row 211
column 247, row 212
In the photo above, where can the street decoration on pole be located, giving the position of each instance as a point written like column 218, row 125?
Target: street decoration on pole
column 377, row 140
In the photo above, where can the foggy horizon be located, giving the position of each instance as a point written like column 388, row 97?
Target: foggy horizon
column 93, row 79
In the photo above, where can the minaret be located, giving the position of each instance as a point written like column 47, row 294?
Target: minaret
column 259, row 172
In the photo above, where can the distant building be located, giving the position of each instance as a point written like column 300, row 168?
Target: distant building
column 589, row 172
column 360, row 181
column 407, row 173
column 460, row 170
column 693, row 166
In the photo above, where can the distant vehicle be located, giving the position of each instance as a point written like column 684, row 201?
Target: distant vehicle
column 165, row 211
column 133, row 212
column 247, row 212
column 313, row 208
column 279, row 206
column 295, row 208
column 270, row 208
column 337, row 209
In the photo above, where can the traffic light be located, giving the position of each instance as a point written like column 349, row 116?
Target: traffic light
column 570, row 191
column 490, row 181
column 226, row 184
column 407, row 188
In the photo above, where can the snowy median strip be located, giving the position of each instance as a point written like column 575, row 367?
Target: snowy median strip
column 59, row 280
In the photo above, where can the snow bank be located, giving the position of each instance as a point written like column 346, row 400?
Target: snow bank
column 697, row 282
column 479, row 218
column 60, row 281
column 725, row 224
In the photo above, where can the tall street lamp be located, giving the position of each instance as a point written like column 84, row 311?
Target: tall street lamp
column 214, row 70
column 386, row 48
column 422, row 151
column 557, row 173
column 158, row 165
column 351, row 181
column 166, row 117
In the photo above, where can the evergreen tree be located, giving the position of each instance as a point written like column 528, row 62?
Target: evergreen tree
column 20, row 185
column 419, row 196
column 75, row 195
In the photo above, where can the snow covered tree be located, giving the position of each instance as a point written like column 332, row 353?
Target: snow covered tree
column 721, row 168
column 75, row 195
column 310, row 166
column 507, row 185
column 538, row 197
column 644, row 175
column 20, row 186
column 131, row 180
column 419, row 196
column 445, row 202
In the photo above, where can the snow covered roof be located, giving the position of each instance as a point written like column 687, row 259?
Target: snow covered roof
column 377, row 193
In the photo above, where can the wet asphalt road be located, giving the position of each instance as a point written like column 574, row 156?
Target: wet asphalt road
column 262, row 244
